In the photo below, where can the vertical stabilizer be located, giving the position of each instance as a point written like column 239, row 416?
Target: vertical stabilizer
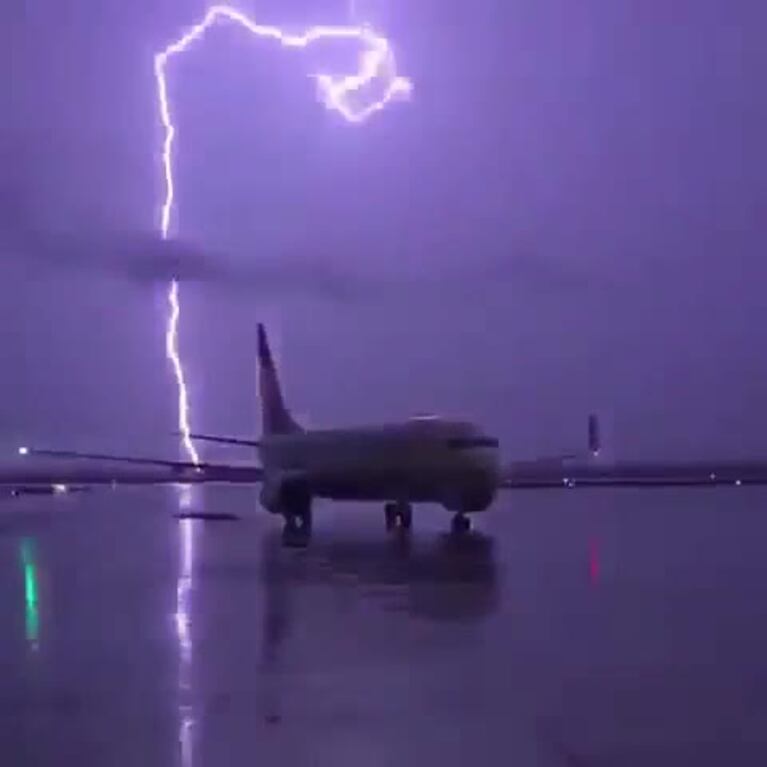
column 275, row 417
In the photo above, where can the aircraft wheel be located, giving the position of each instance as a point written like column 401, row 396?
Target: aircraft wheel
column 297, row 529
column 390, row 514
column 398, row 515
column 461, row 524
column 405, row 516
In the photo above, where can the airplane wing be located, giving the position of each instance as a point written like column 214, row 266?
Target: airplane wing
column 547, row 465
column 589, row 469
column 635, row 474
column 107, row 469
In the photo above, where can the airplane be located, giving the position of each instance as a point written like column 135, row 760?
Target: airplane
column 424, row 459
column 420, row 460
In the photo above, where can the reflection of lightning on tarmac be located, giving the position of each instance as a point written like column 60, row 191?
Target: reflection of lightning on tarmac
column 342, row 94
column 183, row 619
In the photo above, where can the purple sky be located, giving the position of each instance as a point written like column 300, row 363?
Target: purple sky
column 582, row 187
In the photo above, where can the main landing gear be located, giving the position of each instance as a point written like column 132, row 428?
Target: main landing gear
column 297, row 511
column 461, row 524
column 298, row 528
column 398, row 515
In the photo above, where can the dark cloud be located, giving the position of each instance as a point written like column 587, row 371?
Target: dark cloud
column 145, row 258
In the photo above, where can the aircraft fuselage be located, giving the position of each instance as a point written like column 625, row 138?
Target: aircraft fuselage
column 424, row 460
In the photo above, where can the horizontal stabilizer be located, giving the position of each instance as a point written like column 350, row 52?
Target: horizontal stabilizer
column 226, row 440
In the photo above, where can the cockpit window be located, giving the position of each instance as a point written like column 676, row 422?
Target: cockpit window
column 466, row 443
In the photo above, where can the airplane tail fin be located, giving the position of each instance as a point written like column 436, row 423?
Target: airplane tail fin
column 275, row 417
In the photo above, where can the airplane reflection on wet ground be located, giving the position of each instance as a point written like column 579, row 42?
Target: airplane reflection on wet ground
column 592, row 628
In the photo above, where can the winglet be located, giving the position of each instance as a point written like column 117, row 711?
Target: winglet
column 595, row 442
column 264, row 352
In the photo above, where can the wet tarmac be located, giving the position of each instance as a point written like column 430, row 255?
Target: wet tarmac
column 608, row 627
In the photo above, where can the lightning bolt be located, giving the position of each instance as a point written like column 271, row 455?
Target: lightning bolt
column 352, row 97
column 341, row 94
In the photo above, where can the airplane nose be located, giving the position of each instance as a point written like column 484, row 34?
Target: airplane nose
column 495, row 466
column 486, row 468
column 487, row 461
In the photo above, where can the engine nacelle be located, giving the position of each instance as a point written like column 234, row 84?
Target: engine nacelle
column 270, row 496
column 283, row 496
column 477, row 497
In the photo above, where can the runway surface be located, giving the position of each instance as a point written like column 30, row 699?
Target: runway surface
column 592, row 627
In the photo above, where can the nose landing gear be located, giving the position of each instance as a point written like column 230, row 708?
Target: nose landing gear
column 398, row 515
